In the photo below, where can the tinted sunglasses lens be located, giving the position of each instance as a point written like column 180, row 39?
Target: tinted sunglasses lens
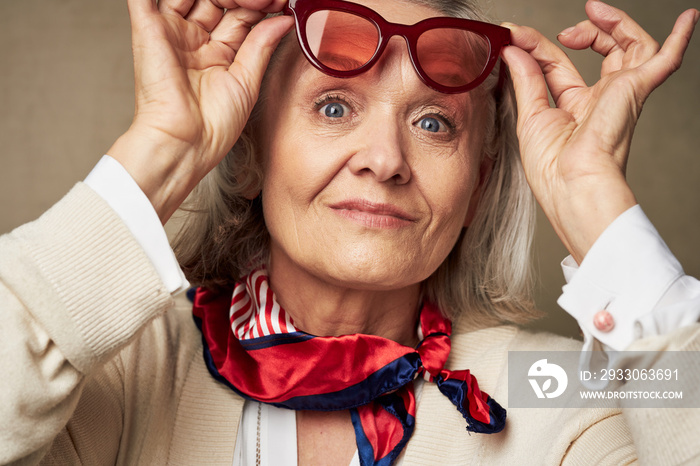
column 341, row 41
column 452, row 57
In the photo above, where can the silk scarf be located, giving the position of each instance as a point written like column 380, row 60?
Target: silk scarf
column 252, row 345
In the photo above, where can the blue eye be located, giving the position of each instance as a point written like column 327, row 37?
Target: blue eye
column 333, row 110
column 431, row 124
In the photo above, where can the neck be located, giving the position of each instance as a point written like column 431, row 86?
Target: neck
column 324, row 308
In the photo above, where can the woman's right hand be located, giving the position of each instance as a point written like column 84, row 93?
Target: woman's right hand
column 198, row 67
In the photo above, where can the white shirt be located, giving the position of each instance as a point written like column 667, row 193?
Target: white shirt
column 631, row 273
column 268, row 435
column 113, row 183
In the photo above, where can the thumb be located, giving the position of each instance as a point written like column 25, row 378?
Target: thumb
column 139, row 9
column 255, row 52
column 528, row 81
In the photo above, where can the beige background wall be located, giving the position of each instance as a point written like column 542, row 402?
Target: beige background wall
column 66, row 93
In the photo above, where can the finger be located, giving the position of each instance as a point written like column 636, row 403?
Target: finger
column 183, row 7
column 559, row 73
column 179, row 7
column 235, row 26
column 638, row 45
column 266, row 6
column 586, row 34
column 255, row 52
column 143, row 15
column 670, row 57
column 138, row 8
column 275, row 6
column 205, row 14
column 529, row 83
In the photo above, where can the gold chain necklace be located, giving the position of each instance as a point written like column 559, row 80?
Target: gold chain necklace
column 257, row 441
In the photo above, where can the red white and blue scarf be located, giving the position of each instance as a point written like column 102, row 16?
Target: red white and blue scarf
column 252, row 346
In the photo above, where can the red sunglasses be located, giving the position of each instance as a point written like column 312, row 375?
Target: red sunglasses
column 344, row 39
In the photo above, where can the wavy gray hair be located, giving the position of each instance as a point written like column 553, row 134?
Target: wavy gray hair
column 486, row 278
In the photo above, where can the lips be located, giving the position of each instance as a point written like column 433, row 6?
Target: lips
column 372, row 214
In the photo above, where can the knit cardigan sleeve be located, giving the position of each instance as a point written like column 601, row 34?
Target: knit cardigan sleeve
column 659, row 435
column 567, row 436
column 670, row 435
column 75, row 288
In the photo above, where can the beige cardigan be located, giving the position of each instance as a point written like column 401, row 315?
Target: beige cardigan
column 96, row 372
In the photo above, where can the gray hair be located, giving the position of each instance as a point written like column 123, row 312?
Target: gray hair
column 486, row 278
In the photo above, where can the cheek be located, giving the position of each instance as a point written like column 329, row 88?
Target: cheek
column 450, row 213
column 448, row 186
column 296, row 170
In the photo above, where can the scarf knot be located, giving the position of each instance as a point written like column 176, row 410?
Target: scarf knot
column 433, row 351
column 251, row 345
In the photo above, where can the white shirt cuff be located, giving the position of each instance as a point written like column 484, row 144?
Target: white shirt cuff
column 628, row 272
column 110, row 180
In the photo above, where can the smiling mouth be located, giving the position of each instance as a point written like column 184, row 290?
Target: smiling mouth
column 373, row 215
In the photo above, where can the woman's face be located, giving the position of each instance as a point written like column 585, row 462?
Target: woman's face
column 368, row 181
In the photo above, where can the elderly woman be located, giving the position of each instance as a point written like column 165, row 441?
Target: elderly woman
column 373, row 200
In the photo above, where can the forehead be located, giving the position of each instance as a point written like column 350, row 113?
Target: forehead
column 400, row 11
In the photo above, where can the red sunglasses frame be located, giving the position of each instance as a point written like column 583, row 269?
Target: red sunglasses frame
column 497, row 36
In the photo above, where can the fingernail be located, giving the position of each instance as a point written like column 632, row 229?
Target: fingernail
column 566, row 31
column 508, row 25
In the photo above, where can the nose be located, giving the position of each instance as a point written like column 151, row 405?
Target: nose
column 381, row 154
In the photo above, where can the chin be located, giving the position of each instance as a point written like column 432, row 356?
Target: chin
column 376, row 273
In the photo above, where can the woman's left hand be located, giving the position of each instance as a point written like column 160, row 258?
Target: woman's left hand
column 575, row 154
